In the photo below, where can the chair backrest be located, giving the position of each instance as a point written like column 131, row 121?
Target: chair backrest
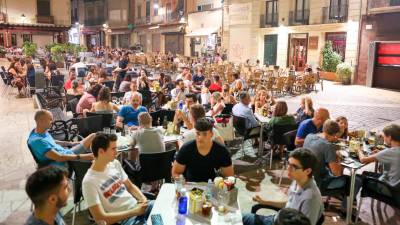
column 239, row 123
column 156, row 166
column 40, row 81
column 72, row 103
column 88, row 125
column 374, row 188
column 109, row 84
column 277, row 132
column 79, row 168
column 107, row 118
column 57, row 80
column 289, row 138
column 227, row 109
column 117, row 94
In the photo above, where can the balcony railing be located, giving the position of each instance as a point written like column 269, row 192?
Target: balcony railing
column 383, row 6
column 44, row 19
column 300, row 17
column 94, row 22
column 335, row 14
column 269, row 20
column 173, row 17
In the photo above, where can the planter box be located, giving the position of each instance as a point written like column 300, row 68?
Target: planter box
column 329, row 76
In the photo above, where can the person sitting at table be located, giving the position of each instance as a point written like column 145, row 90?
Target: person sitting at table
column 242, row 109
column 88, row 98
column 344, row 127
column 198, row 160
column 182, row 115
column 92, row 75
column 311, row 126
column 168, row 85
column 198, row 77
column 217, row 104
column 147, row 138
column 205, row 94
column 263, row 101
column 197, row 112
column 125, row 84
column 303, row 193
column 288, row 216
column 185, row 71
column 216, row 85
column 71, row 77
column 76, row 88
column 180, row 91
column 128, row 115
column 143, row 81
column 103, row 77
column 104, row 104
column 227, row 95
column 48, row 188
column 133, row 89
column 109, row 194
column 389, row 157
column 46, row 149
column 306, row 110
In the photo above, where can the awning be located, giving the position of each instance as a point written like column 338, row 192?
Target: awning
column 202, row 32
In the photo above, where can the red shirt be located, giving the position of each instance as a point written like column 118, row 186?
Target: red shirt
column 215, row 87
column 68, row 84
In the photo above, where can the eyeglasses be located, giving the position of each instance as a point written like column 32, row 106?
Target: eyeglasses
column 294, row 166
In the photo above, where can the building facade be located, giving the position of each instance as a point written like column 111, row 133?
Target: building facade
column 38, row 21
column 290, row 32
column 379, row 53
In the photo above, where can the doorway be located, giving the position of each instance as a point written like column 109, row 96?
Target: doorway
column 270, row 49
column 297, row 52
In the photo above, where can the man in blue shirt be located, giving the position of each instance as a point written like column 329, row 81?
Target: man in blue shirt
column 48, row 188
column 311, row 126
column 242, row 109
column 128, row 115
column 47, row 151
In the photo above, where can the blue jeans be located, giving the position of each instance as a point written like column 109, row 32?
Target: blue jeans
column 139, row 219
column 254, row 219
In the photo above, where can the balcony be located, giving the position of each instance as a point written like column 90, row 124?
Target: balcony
column 94, row 22
column 173, row 17
column 334, row 14
column 270, row 20
column 300, row 17
column 140, row 21
column 44, row 19
column 383, row 6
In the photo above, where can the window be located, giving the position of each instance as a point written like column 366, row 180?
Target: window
column 301, row 10
column 204, row 7
column 13, row 39
column 271, row 13
column 337, row 9
column 155, row 6
column 148, row 8
column 43, row 7
column 139, row 11
column 1, row 39
column 26, row 38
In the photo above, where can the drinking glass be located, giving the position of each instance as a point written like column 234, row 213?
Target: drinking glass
column 106, row 130
column 113, row 131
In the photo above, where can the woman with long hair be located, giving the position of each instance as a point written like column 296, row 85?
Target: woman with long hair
column 344, row 127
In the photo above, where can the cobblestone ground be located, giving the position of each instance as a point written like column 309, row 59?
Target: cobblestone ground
column 365, row 108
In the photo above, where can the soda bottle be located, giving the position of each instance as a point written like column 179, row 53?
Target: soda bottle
column 183, row 202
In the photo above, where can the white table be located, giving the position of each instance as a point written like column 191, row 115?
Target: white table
column 166, row 206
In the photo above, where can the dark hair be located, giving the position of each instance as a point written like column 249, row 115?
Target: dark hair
column 95, row 90
column 236, row 75
column 346, row 131
column 243, row 95
column 192, row 96
column 178, row 81
column 393, row 130
column 306, row 158
column 280, row 109
column 197, row 111
column 288, row 216
column 42, row 183
column 207, row 83
column 102, row 140
column 203, row 124
column 104, row 94
column 128, row 78
column 216, row 78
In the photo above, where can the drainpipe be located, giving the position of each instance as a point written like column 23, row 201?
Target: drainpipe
column 359, row 40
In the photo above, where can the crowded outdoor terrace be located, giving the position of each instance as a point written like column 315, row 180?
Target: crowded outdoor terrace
column 164, row 139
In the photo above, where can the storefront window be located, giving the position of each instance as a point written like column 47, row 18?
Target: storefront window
column 13, row 39
column 338, row 42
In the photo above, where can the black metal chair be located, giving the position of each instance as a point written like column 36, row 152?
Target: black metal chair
column 79, row 168
column 239, row 123
column 289, row 139
column 376, row 189
column 72, row 103
column 117, row 94
column 88, row 125
column 227, row 109
column 46, row 103
column 256, row 207
column 107, row 118
column 57, row 80
column 109, row 84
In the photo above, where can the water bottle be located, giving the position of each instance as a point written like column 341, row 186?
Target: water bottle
column 180, row 105
column 183, row 202
column 209, row 192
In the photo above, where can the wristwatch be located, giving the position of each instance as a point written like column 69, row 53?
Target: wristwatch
column 78, row 157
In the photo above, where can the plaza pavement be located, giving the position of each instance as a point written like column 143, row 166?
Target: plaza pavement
column 364, row 107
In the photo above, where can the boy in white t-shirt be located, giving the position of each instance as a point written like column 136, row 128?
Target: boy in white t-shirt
column 109, row 194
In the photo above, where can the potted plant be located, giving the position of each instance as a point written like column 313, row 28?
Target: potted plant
column 344, row 72
column 29, row 49
column 2, row 52
column 330, row 60
column 57, row 52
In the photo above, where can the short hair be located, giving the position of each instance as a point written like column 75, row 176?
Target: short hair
column 280, row 109
column 144, row 118
column 306, row 158
column 95, row 90
column 40, row 113
column 207, row 83
column 105, row 94
column 331, row 127
column 216, row 78
column 44, row 182
column 192, row 96
column 197, row 111
column 243, row 95
column 102, row 140
column 289, row 216
column 75, row 84
column 203, row 124
column 393, row 130
column 178, row 81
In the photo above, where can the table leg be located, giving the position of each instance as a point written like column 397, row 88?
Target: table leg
column 351, row 196
column 261, row 141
